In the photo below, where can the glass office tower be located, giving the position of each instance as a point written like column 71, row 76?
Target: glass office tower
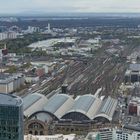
column 11, row 117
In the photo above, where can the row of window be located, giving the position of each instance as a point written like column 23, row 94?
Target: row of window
column 122, row 137
column 9, row 136
column 8, row 122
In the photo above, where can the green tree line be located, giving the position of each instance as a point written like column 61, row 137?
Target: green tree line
column 20, row 45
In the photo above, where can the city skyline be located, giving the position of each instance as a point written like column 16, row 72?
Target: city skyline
column 84, row 6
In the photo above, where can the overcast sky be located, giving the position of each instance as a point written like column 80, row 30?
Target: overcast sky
column 19, row 6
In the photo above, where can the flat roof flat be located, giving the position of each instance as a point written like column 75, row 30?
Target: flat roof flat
column 10, row 100
column 134, row 67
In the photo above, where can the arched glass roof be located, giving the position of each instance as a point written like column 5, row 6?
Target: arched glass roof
column 59, row 104
column 87, row 105
column 30, row 99
column 107, row 108
column 83, row 103
column 33, row 103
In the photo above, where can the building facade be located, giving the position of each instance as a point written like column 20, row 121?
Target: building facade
column 11, row 83
column 35, row 127
column 11, row 117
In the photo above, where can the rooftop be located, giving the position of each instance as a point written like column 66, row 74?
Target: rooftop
column 83, row 103
column 58, row 104
column 133, row 127
column 31, row 99
column 6, row 78
column 87, row 105
column 134, row 67
column 10, row 100
column 55, row 102
column 107, row 108
column 47, row 137
column 33, row 103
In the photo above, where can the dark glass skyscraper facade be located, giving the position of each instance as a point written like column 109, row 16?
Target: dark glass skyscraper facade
column 11, row 117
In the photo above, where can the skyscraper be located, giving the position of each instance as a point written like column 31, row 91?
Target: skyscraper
column 49, row 28
column 11, row 117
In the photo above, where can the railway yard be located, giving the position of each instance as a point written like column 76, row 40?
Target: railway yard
column 87, row 75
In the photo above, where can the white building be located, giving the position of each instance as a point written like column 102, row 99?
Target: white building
column 48, row 66
column 31, row 78
column 3, row 36
column 125, row 135
column 10, row 83
column 114, row 134
column 104, row 134
column 32, row 29
column 49, row 28
column 51, row 137
column 12, row 35
column 8, row 35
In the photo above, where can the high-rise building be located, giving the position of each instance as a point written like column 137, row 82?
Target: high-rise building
column 11, row 117
column 32, row 29
column 49, row 27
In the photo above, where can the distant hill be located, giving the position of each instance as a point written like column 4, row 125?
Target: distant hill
column 38, row 13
